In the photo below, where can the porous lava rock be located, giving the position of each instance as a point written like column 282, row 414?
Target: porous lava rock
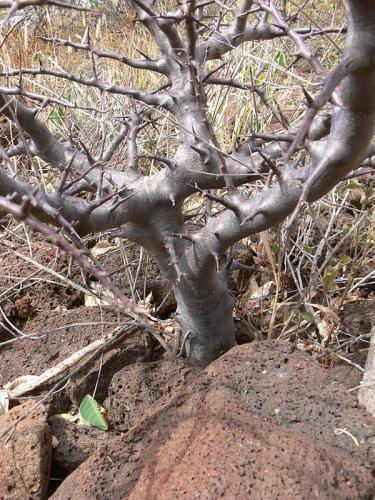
column 25, row 452
column 75, row 442
column 263, row 421
column 136, row 387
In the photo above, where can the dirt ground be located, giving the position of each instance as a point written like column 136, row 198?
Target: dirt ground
column 264, row 421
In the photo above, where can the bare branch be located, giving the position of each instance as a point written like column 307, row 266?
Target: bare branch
column 45, row 100
column 353, row 126
column 46, row 146
column 113, row 145
column 151, row 208
column 21, row 4
column 303, row 50
column 219, row 43
column 154, row 99
column 158, row 66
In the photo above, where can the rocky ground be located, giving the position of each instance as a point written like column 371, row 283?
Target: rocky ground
column 266, row 420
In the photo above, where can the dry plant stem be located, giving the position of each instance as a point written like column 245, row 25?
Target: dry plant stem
column 339, row 356
column 63, row 279
column 276, row 269
column 23, row 385
column 149, row 208
column 318, row 272
column 130, row 308
column 15, row 5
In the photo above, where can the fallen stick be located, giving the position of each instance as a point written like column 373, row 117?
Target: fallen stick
column 22, row 385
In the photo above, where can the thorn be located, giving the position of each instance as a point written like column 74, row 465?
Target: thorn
column 252, row 216
column 294, row 215
column 217, row 260
column 172, row 164
column 144, row 55
column 272, row 166
column 181, row 236
column 198, row 149
column 308, row 97
column 196, row 138
column 178, row 62
column 87, row 152
column 28, row 202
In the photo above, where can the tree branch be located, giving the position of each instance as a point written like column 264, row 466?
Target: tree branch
column 21, row 4
column 153, row 99
column 353, row 127
column 158, row 66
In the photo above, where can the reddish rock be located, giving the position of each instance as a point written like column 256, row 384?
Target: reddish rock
column 25, row 453
column 264, row 421
column 136, row 387
column 75, row 442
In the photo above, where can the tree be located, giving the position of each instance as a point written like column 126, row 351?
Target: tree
column 149, row 209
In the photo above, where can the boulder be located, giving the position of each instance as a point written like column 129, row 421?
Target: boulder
column 263, row 421
column 136, row 387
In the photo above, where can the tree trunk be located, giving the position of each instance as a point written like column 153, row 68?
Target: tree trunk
column 366, row 394
column 204, row 303
column 205, row 315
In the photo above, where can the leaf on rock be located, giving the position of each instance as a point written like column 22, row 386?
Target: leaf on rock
column 89, row 413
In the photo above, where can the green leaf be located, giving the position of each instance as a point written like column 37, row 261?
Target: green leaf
column 89, row 413
column 352, row 185
column 328, row 279
column 57, row 115
column 345, row 259
column 308, row 316
column 310, row 250
column 280, row 58
column 368, row 237
column 346, row 228
column 36, row 57
column 275, row 247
